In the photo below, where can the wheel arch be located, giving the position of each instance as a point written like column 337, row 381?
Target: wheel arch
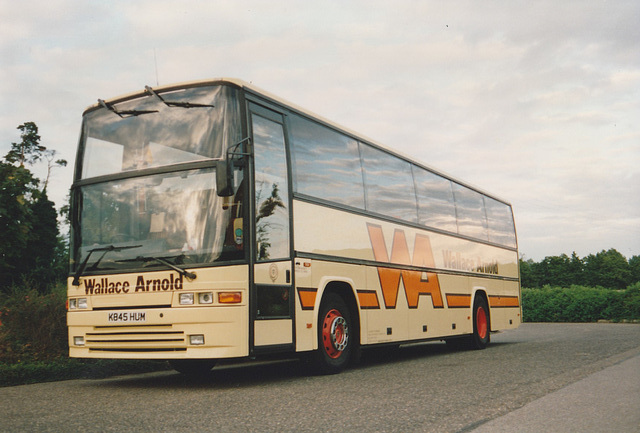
column 481, row 292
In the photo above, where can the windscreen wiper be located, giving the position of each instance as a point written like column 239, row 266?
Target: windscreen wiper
column 76, row 277
column 124, row 113
column 188, row 275
column 150, row 91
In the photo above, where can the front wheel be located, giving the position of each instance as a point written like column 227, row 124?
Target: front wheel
column 481, row 324
column 336, row 339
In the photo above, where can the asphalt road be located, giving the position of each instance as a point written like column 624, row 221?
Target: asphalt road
column 520, row 379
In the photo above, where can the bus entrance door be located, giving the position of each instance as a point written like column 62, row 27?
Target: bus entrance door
column 272, row 306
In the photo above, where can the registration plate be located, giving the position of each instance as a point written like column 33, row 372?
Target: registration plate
column 128, row 317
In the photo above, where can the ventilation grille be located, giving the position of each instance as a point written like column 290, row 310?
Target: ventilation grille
column 139, row 338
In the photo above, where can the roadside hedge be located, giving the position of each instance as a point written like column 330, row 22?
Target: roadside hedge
column 581, row 304
column 33, row 341
column 33, row 326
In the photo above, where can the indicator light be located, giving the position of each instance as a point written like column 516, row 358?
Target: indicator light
column 230, row 297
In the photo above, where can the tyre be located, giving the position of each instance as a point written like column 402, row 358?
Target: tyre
column 481, row 323
column 193, row 367
column 336, row 337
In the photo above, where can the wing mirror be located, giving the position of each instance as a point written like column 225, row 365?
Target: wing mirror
column 225, row 186
column 224, row 178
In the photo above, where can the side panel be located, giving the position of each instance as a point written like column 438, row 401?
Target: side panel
column 325, row 231
column 410, row 284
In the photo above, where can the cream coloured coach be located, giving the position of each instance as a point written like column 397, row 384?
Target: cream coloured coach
column 213, row 220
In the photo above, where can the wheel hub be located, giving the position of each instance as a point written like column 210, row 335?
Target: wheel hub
column 481, row 322
column 335, row 333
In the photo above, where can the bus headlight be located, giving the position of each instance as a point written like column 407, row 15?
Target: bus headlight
column 78, row 304
column 78, row 341
column 205, row 298
column 186, row 298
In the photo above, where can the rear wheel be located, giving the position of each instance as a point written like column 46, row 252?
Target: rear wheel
column 193, row 367
column 481, row 323
column 335, row 336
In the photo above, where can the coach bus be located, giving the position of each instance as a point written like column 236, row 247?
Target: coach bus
column 213, row 220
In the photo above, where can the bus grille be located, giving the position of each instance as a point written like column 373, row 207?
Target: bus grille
column 139, row 338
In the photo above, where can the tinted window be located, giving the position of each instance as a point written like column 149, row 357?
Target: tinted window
column 388, row 185
column 500, row 222
column 164, row 135
column 436, row 207
column 326, row 163
column 272, row 213
column 472, row 220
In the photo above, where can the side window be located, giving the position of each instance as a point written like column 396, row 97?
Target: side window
column 472, row 220
column 436, row 207
column 388, row 184
column 500, row 222
column 272, row 206
column 326, row 163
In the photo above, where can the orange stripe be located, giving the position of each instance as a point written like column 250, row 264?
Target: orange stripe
column 307, row 298
column 368, row 299
column 458, row 301
column 504, row 301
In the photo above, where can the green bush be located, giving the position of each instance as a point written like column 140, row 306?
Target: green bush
column 33, row 341
column 580, row 304
column 631, row 307
column 33, row 325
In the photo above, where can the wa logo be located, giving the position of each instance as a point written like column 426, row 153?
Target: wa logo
column 415, row 282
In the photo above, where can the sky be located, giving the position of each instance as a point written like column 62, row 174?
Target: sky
column 536, row 102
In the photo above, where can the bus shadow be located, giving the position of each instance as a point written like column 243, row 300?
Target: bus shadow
column 226, row 376
column 381, row 356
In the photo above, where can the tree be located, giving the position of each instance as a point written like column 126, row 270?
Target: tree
column 41, row 248
column 49, row 155
column 575, row 269
column 29, row 242
column 528, row 273
column 556, row 270
column 607, row 269
column 634, row 267
column 29, row 150
column 17, row 190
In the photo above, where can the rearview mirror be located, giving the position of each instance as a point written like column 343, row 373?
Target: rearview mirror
column 224, row 178
column 224, row 169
